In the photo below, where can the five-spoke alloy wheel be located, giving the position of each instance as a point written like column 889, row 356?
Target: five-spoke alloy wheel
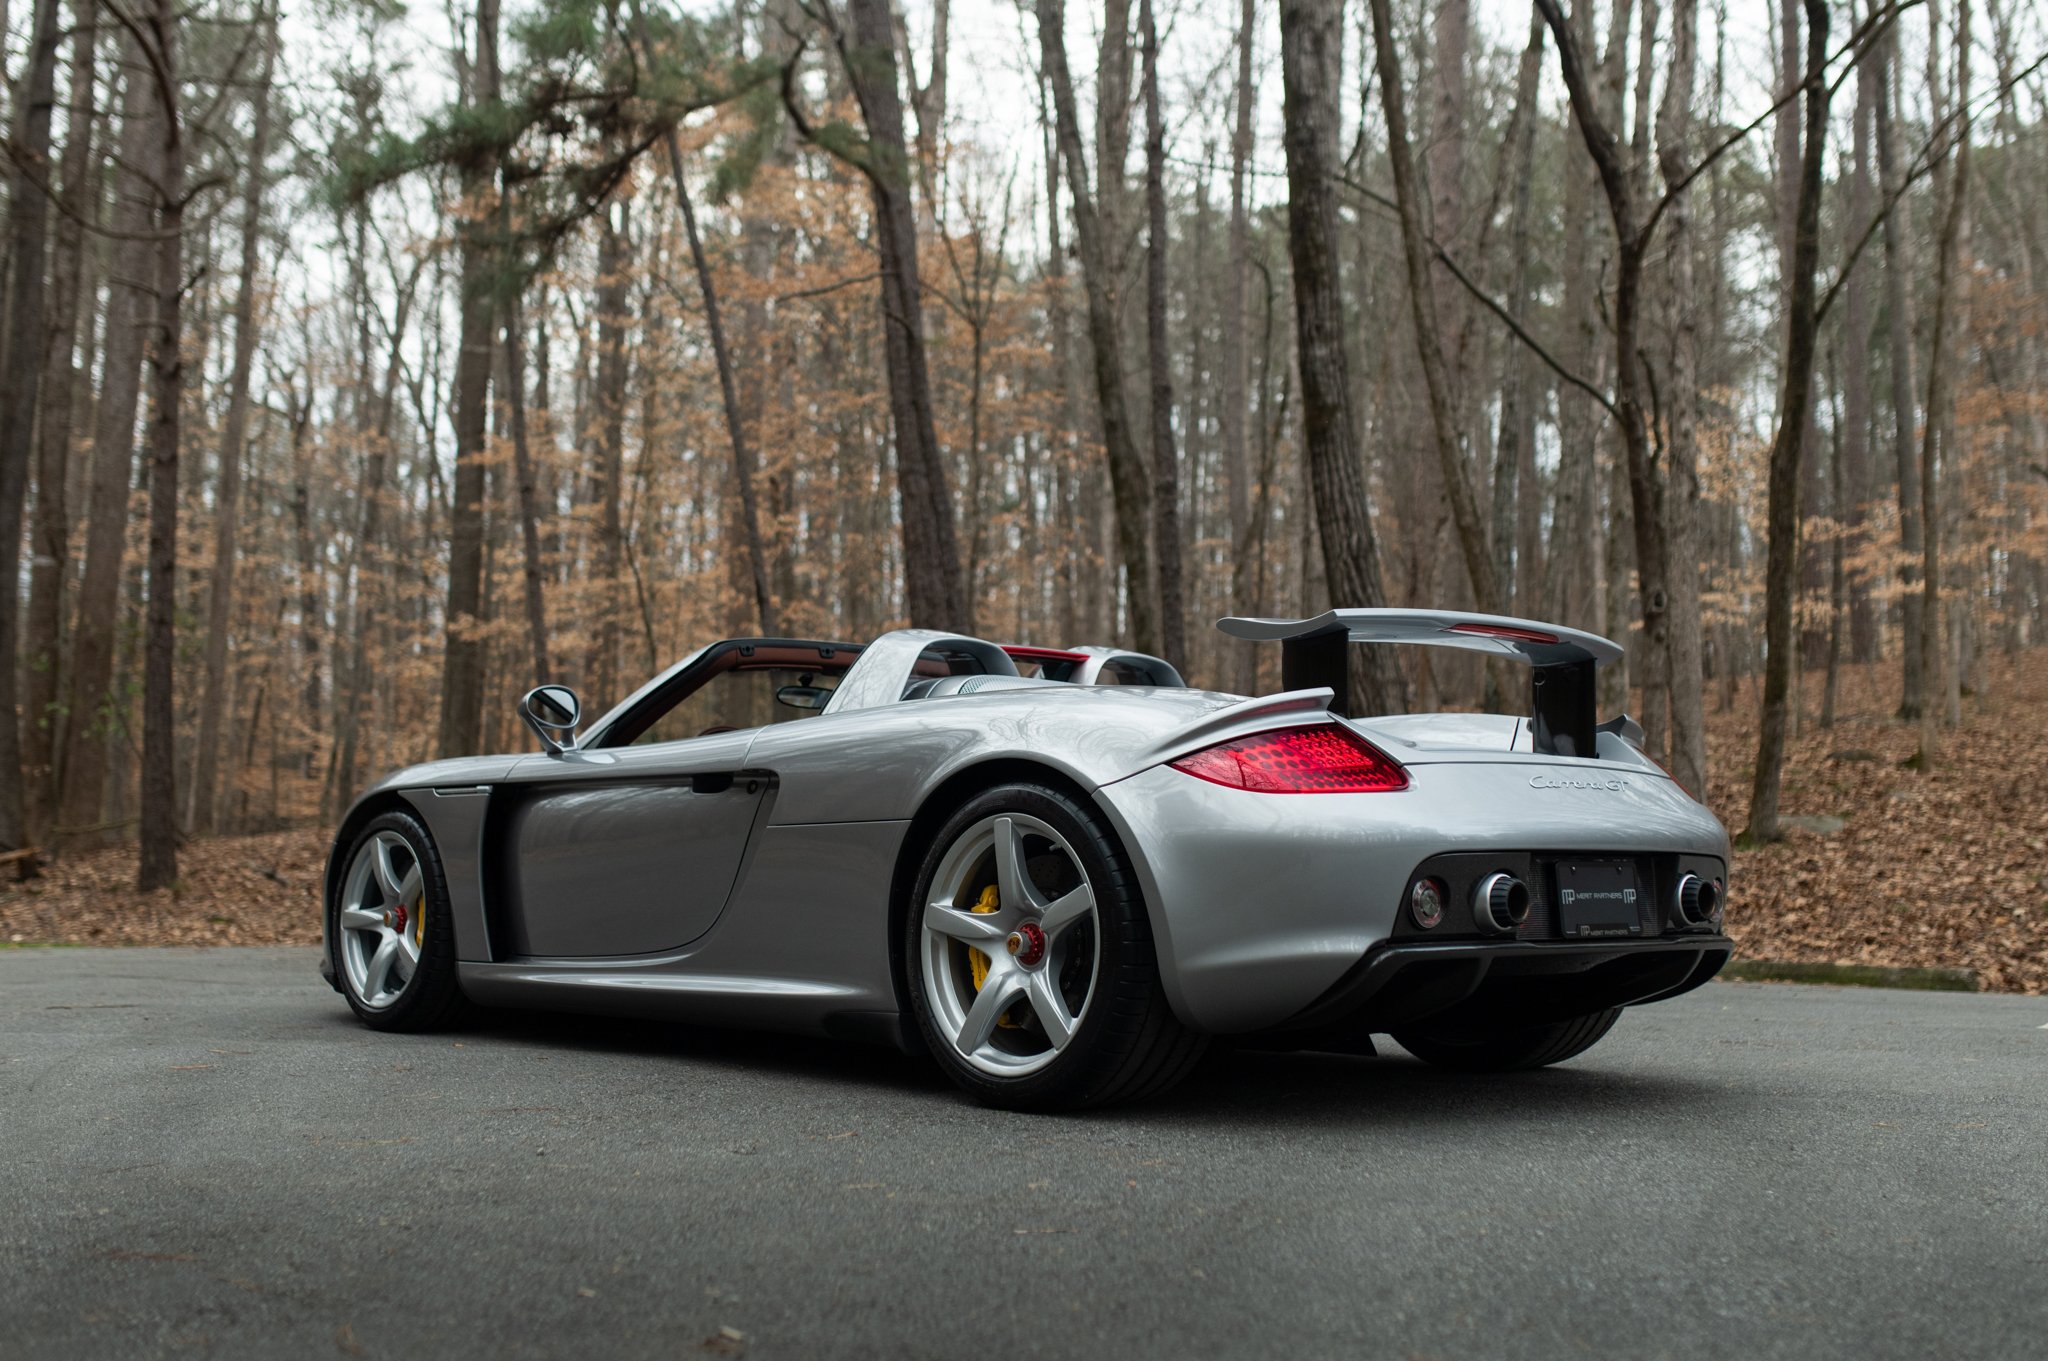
column 1008, row 972
column 1030, row 961
column 383, row 920
column 389, row 928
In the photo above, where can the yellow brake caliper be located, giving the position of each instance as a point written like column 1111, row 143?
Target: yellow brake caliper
column 977, row 962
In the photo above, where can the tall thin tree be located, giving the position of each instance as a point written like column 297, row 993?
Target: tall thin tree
column 935, row 591
column 130, row 305
column 1458, row 480
column 1166, row 533
column 50, row 558
column 463, row 653
column 234, row 432
column 1938, row 434
column 1788, row 448
column 21, row 376
column 1311, row 41
column 1130, row 478
column 158, row 860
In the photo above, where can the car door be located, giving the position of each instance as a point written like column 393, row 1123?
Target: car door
column 625, row 852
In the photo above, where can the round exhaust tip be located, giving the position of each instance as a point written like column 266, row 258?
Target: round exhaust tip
column 1699, row 900
column 1500, row 903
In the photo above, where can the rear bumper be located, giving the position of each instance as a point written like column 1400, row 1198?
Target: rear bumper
column 1262, row 905
column 1398, row 984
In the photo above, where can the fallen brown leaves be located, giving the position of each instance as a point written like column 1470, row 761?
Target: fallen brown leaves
column 232, row 890
column 1947, row 867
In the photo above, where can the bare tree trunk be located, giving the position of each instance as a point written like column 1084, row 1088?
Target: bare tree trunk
column 1236, row 361
column 1272, row 417
column 158, row 860
column 2023, row 207
column 1830, row 690
column 1572, row 584
column 1646, row 487
column 462, row 678
column 311, row 611
column 529, row 498
column 934, row 588
column 1612, row 482
column 1113, row 132
column 1687, row 661
column 1788, row 449
column 202, row 816
column 1785, row 144
column 1899, row 342
column 129, row 301
column 929, row 100
column 1852, row 491
column 21, row 376
column 1130, row 480
column 1457, row 471
column 931, row 111
column 50, row 536
column 614, row 263
column 1513, row 444
column 1939, row 431
column 1444, row 181
column 1165, row 457
column 374, row 407
column 1067, row 470
column 1311, row 38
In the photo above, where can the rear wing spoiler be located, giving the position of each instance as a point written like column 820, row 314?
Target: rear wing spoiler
column 1562, row 661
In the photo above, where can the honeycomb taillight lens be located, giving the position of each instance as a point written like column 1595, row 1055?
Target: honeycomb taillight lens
column 1323, row 759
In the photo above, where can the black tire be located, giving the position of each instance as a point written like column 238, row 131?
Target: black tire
column 432, row 997
column 1128, row 1044
column 1507, row 1049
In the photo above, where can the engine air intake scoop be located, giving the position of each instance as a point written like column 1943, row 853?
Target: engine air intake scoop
column 1562, row 660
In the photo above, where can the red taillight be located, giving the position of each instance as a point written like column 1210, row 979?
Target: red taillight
column 1504, row 631
column 1324, row 759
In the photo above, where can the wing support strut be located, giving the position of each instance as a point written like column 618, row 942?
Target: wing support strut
column 1563, row 662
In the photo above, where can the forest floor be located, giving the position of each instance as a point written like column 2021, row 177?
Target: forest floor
column 1943, row 868
column 1947, row 868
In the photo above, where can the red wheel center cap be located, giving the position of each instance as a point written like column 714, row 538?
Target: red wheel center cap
column 1027, row 944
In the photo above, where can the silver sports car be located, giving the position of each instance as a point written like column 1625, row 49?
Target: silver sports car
column 1059, row 872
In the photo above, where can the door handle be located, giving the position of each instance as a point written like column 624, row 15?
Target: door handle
column 714, row 782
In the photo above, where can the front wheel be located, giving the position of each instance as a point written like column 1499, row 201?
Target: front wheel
column 1506, row 1048
column 1030, row 958
column 391, row 931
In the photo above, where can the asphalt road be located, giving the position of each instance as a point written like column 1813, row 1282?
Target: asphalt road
column 206, row 1156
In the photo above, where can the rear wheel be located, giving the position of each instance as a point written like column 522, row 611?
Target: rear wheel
column 390, row 929
column 1030, row 958
column 1507, row 1048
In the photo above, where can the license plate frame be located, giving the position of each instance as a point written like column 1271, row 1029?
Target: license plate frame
column 1598, row 897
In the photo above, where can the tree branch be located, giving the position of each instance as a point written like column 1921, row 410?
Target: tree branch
column 42, row 186
column 1486, row 300
column 1924, row 164
column 1858, row 42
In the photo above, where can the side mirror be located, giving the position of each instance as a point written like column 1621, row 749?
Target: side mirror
column 807, row 697
column 552, row 711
